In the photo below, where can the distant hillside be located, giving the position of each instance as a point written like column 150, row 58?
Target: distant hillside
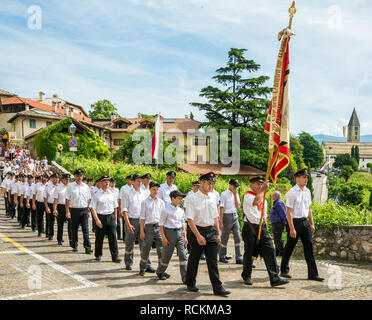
column 322, row 137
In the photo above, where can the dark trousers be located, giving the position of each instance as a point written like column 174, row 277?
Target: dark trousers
column 303, row 231
column 277, row 229
column 211, row 252
column 79, row 216
column 118, row 226
column 123, row 223
column 6, row 205
column 25, row 214
column 40, row 210
column 61, row 219
column 33, row 218
column 50, row 220
column 109, row 229
column 19, row 210
column 265, row 248
column 11, row 207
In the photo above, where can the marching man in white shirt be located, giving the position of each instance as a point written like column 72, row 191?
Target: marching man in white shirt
column 48, row 202
column 146, row 183
column 40, row 206
column 167, row 187
column 229, row 221
column 131, row 211
column 252, row 205
column 172, row 228
column 151, row 209
column 77, row 202
column 124, row 189
column 301, row 225
column 202, row 217
column 59, row 209
column 104, row 207
column 195, row 188
column 19, row 190
column 116, row 192
column 25, row 202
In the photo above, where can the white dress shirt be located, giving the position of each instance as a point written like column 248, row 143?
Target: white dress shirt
column 3, row 184
column 186, row 198
column 172, row 217
column 124, row 189
column 19, row 190
column 12, row 186
column 49, row 192
column 151, row 210
column 104, row 203
column 202, row 209
column 60, row 193
column 299, row 200
column 78, row 195
column 147, row 190
column 253, row 213
column 217, row 195
column 131, row 202
column 39, row 192
column 29, row 190
column 227, row 202
column 165, row 190
column 34, row 187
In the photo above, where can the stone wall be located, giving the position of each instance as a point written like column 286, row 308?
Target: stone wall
column 56, row 168
column 353, row 243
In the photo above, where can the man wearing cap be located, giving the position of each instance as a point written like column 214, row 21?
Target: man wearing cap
column 195, row 188
column 131, row 211
column 301, row 225
column 172, row 228
column 167, row 187
column 151, row 209
column 19, row 190
column 11, row 189
column 26, row 205
column 77, row 203
column 93, row 191
column 116, row 192
column 202, row 217
column 229, row 221
column 104, row 211
column 35, row 184
column 38, row 202
column 278, row 218
column 48, row 202
column 3, row 190
column 59, row 209
column 123, row 189
column 252, row 206
column 146, row 183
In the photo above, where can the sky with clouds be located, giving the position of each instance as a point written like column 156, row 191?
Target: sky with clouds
column 154, row 56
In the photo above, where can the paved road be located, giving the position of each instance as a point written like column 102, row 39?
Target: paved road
column 320, row 188
column 36, row 268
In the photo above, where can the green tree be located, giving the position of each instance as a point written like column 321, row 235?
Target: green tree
column 356, row 154
column 345, row 160
column 102, row 109
column 310, row 183
column 352, row 152
column 239, row 102
column 346, row 172
column 351, row 194
column 313, row 153
column 191, row 115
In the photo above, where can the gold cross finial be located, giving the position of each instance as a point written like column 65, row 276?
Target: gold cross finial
column 292, row 10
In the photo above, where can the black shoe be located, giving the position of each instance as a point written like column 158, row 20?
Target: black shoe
column 228, row 257
column 162, row 276
column 286, row 275
column 50, row 238
column 202, row 257
column 222, row 292
column 71, row 245
column 166, row 275
column 74, row 249
column 142, row 273
column 128, row 268
column 88, row 251
column 98, row 258
column 23, row 227
column 149, row 269
column 239, row 261
column 223, row 260
column 59, row 243
column 248, row 282
column 33, row 229
column 316, row 278
column 120, row 238
column 184, row 280
column 47, row 236
column 117, row 260
column 192, row 288
column 39, row 234
column 279, row 282
column 253, row 266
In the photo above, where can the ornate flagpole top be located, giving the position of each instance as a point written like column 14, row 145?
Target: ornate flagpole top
column 292, row 10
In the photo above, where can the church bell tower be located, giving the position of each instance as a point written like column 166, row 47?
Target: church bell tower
column 353, row 131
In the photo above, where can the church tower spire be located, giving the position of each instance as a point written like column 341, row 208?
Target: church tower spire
column 353, row 132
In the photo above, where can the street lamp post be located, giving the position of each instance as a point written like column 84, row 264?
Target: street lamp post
column 72, row 131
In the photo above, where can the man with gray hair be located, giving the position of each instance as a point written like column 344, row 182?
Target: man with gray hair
column 278, row 218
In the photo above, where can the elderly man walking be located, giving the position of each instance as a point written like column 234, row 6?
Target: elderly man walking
column 278, row 218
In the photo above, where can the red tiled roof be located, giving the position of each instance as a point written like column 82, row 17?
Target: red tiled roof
column 42, row 106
